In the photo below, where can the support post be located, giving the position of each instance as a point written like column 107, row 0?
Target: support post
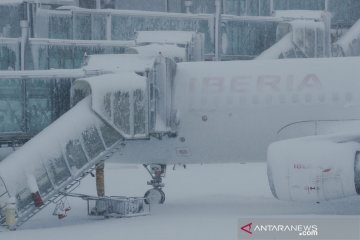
column 271, row 7
column 98, row 4
column 100, row 179
column 326, row 5
column 218, row 5
column 166, row 4
column 188, row 4
column 108, row 27
column 327, row 39
column 24, row 38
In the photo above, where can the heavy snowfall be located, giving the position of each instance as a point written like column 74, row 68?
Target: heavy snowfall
column 173, row 119
column 203, row 202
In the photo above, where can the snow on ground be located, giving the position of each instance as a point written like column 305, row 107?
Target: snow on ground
column 202, row 202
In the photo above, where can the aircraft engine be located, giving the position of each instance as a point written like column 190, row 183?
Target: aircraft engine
column 314, row 168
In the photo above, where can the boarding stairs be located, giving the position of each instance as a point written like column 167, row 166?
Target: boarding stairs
column 56, row 195
column 109, row 110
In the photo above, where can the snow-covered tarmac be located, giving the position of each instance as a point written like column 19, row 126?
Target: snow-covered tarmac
column 202, row 202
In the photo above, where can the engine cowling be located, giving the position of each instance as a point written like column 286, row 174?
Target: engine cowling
column 314, row 169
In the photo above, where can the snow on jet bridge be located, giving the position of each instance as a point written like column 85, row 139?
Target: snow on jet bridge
column 100, row 124
column 205, row 112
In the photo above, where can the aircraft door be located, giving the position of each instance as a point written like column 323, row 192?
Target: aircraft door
column 161, row 88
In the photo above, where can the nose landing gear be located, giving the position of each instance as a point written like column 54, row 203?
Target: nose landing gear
column 156, row 194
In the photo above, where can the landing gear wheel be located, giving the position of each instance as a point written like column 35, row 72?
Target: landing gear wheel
column 154, row 196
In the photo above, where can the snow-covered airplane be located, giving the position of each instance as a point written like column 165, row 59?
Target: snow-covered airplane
column 306, row 110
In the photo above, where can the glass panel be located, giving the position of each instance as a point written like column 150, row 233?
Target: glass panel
column 64, row 56
column 60, row 26
column 144, row 5
column 87, row 4
column 252, row 7
column 58, row 170
column 79, row 54
column 264, row 7
column 344, row 12
column 175, row 5
column 2, row 187
column 77, row 96
column 139, row 112
column 24, row 198
column 307, row 4
column 203, row 6
column 320, row 43
column 122, row 111
column 109, row 135
column 39, row 104
column 310, row 42
column 82, row 27
column 60, row 96
column 302, row 5
column 107, row 106
column 248, row 38
column 61, row 57
column 9, row 20
column 43, row 60
column 8, row 59
column 75, row 155
column 92, row 142
column 3, row 194
column 99, row 27
column 235, row 7
column 281, row 4
column 43, row 181
column 11, row 106
column 46, row 100
column 299, row 37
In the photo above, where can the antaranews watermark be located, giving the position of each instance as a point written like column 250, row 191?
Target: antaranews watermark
column 299, row 227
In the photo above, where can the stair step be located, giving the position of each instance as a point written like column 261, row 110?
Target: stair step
column 24, row 218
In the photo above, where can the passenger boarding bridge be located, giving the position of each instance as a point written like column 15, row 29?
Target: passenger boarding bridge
column 243, row 29
column 30, row 101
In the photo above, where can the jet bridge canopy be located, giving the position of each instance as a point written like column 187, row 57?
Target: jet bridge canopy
column 123, row 108
column 145, row 108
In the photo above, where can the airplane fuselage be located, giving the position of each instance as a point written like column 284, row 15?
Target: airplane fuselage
column 232, row 111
